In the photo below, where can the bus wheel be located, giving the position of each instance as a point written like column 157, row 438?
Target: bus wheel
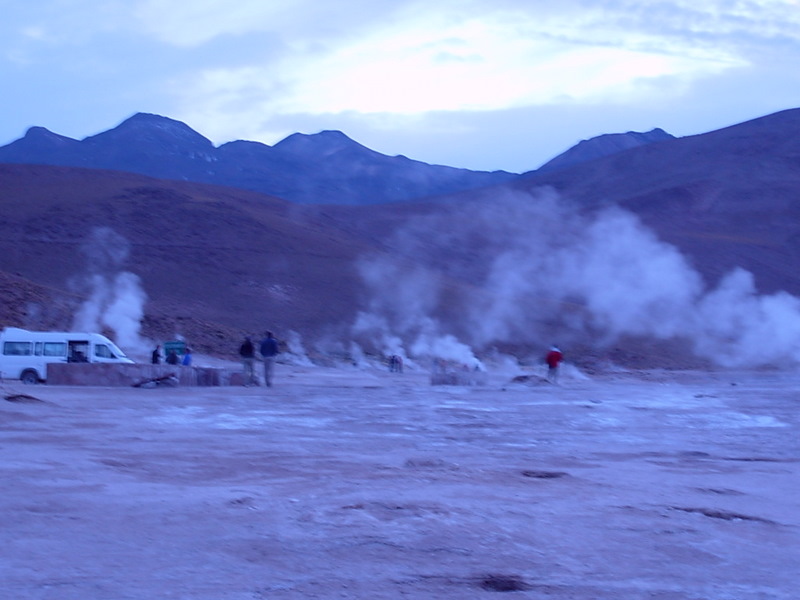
column 29, row 377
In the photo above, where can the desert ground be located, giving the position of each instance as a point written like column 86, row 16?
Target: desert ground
column 360, row 483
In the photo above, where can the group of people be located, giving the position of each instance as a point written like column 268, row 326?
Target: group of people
column 172, row 357
column 267, row 349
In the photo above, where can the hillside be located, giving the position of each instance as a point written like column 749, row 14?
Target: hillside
column 213, row 262
column 726, row 198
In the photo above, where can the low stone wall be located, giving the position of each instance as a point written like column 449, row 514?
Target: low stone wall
column 458, row 378
column 104, row 374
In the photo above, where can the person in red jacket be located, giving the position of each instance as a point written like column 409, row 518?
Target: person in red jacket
column 553, row 360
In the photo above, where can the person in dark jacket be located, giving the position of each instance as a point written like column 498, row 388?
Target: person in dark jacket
column 269, row 350
column 248, row 353
column 156, row 357
column 395, row 363
column 173, row 358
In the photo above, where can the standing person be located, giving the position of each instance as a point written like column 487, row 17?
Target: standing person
column 269, row 350
column 248, row 353
column 156, row 357
column 173, row 358
column 187, row 357
column 553, row 360
column 396, row 363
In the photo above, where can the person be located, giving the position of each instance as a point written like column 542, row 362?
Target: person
column 396, row 363
column 269, row 350
column 248, row 353
column 156, row 358
column 187, row 357
column 79, row 356
column 172, row 358
column 553, row 360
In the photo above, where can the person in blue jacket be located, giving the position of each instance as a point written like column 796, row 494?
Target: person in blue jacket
column 268, row 350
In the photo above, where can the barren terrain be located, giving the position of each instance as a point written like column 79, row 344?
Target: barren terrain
column 358, row 483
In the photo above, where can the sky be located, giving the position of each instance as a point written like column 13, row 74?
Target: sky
column 478, row 84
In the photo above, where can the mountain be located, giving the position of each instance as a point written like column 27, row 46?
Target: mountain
column 324, row 168
column 41, row 146
column 726, row 198
column 604, row 145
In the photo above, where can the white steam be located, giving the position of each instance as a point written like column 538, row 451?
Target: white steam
column 538, row 270
column 736, row 326
column 606, row 274
column 399, row 322
column 294, row 343
column 114, row 297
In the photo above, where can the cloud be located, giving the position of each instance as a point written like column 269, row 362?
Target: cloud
column 262, row 70
column 432, row 60
column 474, row 66
column 195, row 23
column 51, row 23
column 302, row 22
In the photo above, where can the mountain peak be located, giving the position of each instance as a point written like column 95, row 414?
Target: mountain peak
column 325, row 142
column 142, row 119
column 147, row 127
column 605, row 145
column 43, row 135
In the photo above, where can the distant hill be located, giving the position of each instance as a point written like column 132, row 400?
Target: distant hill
column 323, row 168
column 604, row 145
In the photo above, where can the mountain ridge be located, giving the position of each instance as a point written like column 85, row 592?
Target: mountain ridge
column 326, row 167
column 322, row 168
column 604, row 145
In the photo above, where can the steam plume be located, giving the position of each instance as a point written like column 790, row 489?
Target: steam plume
column 540, row 269
column 405, row 313
column 115, row 298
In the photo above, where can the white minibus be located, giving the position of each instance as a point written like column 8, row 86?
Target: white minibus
column 24, row 354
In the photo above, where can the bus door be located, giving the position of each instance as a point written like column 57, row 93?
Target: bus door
column 78, row 351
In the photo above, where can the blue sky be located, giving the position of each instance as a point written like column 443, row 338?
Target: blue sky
column 481, row 84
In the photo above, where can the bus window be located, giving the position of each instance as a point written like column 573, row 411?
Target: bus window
column 17, row 348
column 102, row 351
column 37, row 350
column 55, row 349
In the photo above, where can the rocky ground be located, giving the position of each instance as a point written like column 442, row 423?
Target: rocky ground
column 346, row 483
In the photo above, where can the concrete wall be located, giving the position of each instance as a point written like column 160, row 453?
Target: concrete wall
column 104, row 374
column 458, row 378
